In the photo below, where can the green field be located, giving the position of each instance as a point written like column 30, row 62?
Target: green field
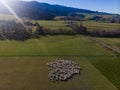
column 23, row 64
column 91, row 25
column 114, row 42
column 54, row 25
column 31, row 73
column 52, row 46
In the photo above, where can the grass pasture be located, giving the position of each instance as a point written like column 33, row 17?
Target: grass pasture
column 109, row 67
column 114, row 42
column 87, row 52
column 91, row 25
column 31, row 73
column 52, row 46
column 54, row 25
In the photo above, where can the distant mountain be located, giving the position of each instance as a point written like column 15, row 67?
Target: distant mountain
column 37, row 10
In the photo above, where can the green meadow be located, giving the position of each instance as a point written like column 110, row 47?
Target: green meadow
column 31, row 73
column 23, row 64
column 52, row 46
column 114, row 42
column 91, row 25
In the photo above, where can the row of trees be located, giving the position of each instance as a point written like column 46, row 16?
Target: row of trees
column 100, row 18
column 96, row 33
column 13, row 30
column 105, row 33
column 71, row 16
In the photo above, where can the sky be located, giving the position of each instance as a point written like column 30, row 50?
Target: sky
column 111, row 6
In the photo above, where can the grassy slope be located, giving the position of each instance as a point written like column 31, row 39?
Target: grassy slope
column 66, row 46
column 31, row 73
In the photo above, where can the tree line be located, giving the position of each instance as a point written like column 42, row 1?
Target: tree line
column 98, row 18
column 14, row 30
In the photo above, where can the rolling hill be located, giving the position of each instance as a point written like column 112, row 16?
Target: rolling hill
column 37, row 10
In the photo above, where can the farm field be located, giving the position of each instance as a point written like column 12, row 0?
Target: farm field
column 60, row 45
column 91, row 25
column 28, row 60
column 31, row 73
column 54, row 25
column 108, row 66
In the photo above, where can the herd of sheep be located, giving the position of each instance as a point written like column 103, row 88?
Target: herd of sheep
column 62, row 70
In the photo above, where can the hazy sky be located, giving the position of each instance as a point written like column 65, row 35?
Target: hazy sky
column 112, row 6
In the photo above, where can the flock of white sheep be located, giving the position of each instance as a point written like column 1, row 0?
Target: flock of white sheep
column 62, row 70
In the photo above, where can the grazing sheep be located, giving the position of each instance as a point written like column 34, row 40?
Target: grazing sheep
column 62, row 70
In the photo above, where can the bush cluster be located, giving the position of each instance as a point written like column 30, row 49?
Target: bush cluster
column 105, row 33
column 14, row 30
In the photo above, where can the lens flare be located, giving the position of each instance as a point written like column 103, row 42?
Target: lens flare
column 9, row 8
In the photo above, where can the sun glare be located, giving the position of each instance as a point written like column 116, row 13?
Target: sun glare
column 4, row 2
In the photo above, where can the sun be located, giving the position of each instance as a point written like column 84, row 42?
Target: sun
column 3, row 0
column 5, row 3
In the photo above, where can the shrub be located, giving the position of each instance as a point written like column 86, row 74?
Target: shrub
column 14, row 30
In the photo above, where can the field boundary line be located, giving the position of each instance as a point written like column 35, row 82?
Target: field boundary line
column 108, row 47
